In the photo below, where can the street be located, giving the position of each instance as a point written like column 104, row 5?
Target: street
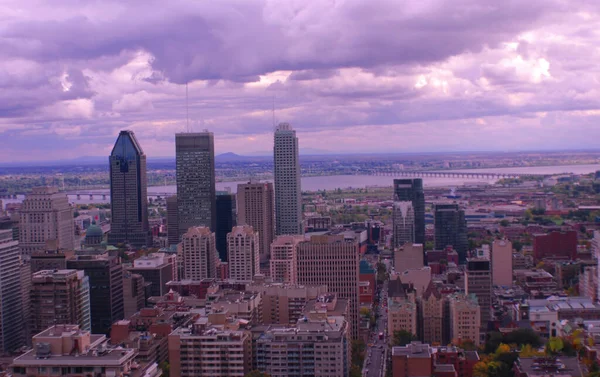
column 376, row 348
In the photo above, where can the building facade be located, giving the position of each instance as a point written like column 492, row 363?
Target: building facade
column 403, row 218
column 288, row 194
column 556, row 245
column 284, row 259
column 411, row 189
column 195, row 171
column 105, row 275
column 451, row 229
column 255, row 203
column 128, row 193
column 478, row 282
column 408, row 256
column 332, row 261
column 243, row 249
column 45, row 215
column 172, row 221
column 226, row 220
column 464, row 318
column 11, row 299
column 60, row 297
column 502, row 263
column 199, row 254
column 157, row 269
column 431, row 305
column 134, row 293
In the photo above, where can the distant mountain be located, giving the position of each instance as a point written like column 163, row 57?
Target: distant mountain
column 229, row 156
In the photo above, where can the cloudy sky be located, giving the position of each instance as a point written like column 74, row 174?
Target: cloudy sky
column 350, row 76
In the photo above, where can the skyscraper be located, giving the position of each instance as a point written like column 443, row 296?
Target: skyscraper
column 243, row 250
column 172, row 222
column 196, row 195
column 199, row 254
column 451, row 229
column 478, row 282
column 288, row 195
column 45, row 216
column 60, row 297
column 255, row 208
column 226, row 220
column 334, row 261
column 404, row 223
column 284, row 259
column 11, row 300
column 502, row 263
column 128, row 193
column 411, row 189
column 105, row 275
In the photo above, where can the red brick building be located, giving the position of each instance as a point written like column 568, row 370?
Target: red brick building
column 555, row 245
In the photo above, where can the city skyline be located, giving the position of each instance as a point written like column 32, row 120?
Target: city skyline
column 335, row 73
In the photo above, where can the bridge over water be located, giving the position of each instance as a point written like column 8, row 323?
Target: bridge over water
column 449, row 174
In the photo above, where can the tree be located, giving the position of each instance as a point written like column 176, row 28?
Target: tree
column 517, row 245
column 504, row 223
column 166, row 369
column 257, row 373
column 402, row 338
column 555, row 345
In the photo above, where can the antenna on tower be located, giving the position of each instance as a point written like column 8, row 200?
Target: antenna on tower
column 187, row 111
column 273, row 111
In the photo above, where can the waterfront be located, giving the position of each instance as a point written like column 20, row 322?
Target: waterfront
column 355, row 181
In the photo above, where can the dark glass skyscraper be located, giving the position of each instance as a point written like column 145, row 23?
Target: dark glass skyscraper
column 451, row 229
column 195, row 164
column 411, row 190
column 128, row 193
column 288, row 194
column 226, row 220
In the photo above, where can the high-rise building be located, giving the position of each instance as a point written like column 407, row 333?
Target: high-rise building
column 243, row 249
column 464, row 318
column 196, row 195
column 411, row 190
column 478, row 282
column 404, row 224
column 134, row 293
column 157, row 269
column 46, row 216
column 284, row 259
column 255, row 203
column 288, row 195
column 451, row 229
column 60, row 297
column 172, row 222
column 226, row 220
column 105, row 275
column 199, row 254
column 408, row 256
column 128, row 193
column 25, row 272
column 333, row 261
column 502, row 263
column 11, row 300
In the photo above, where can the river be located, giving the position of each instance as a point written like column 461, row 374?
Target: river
column 358, row 181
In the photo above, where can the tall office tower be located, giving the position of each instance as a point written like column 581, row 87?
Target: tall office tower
column 243, row 248
column 128, row 193
column 25, row 272
column 11, row 301
column 411, row 190
column 404, row 224
column 288, row 195
column 284, row 259
column 199, row 254
column 60, row 297
column 451, row 229
column 255, row 201
column 172, row 222
column 106, row 288
column 502, row 263
column 226, row 220
column 45, row 216
column 334, row 261
column 196, row 195
column 478, row 282
column 134, row 293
